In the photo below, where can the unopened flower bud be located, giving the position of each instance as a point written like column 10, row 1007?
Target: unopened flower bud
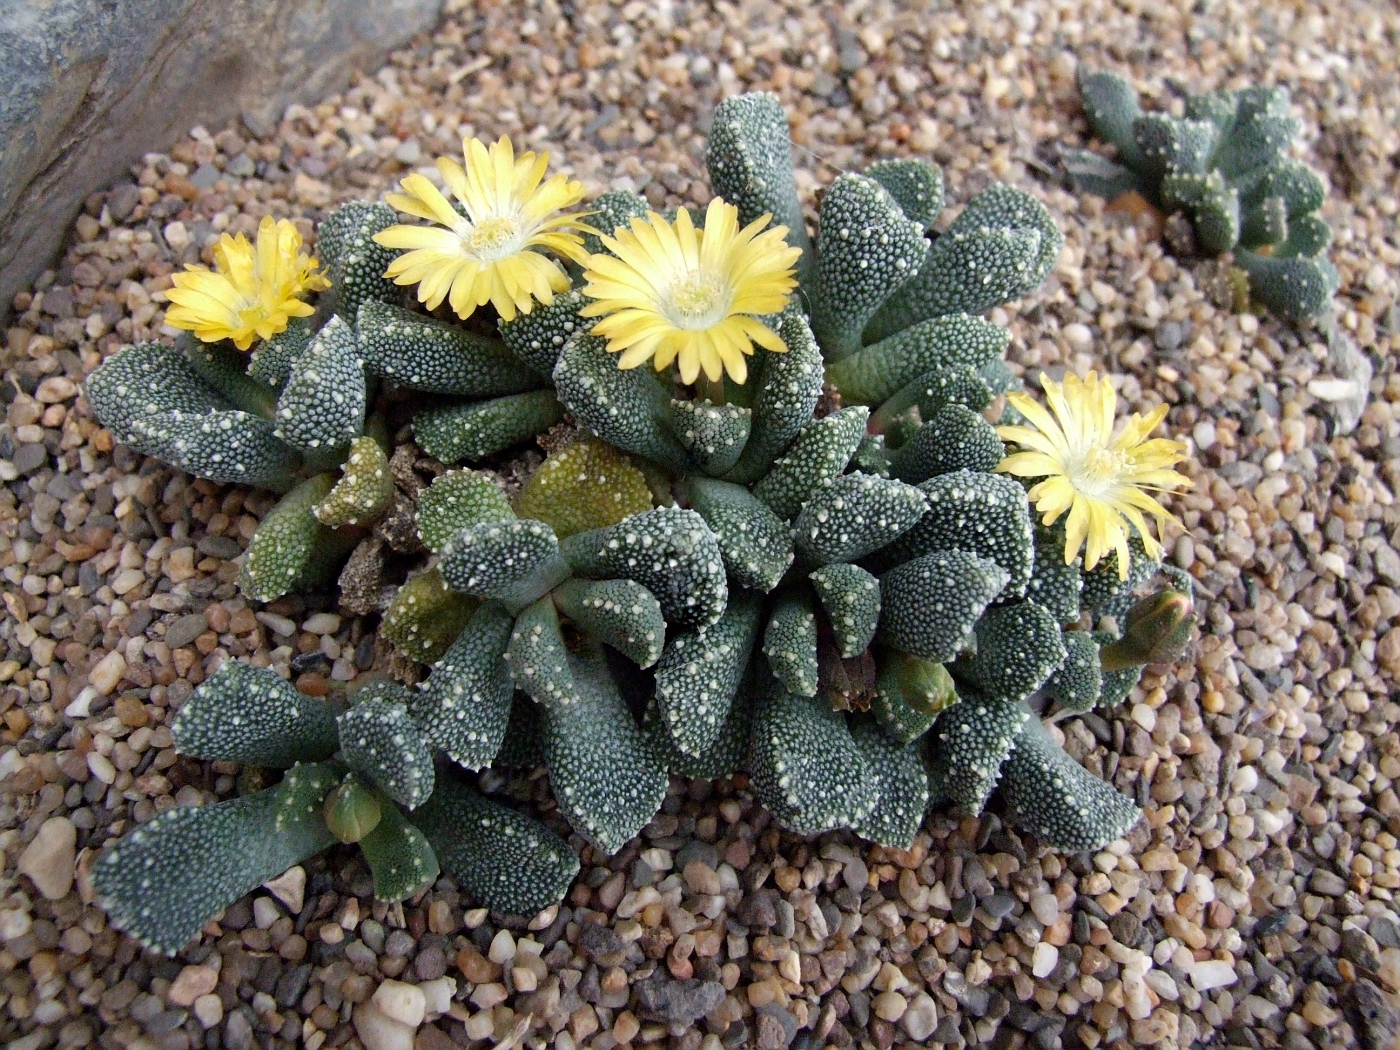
column 352, row 811
column 1156, row 630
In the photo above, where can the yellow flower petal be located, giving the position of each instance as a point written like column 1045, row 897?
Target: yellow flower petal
column 691, row 295
column 253, row 290
column 1102, row 478
column 493, row 253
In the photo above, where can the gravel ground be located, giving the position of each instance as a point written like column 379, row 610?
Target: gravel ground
column 1255, row 905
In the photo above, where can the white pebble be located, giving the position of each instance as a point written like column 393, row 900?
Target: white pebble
column 502, row 948
column 379, row 1032
column 1213, row 973
column 1044, row 960
column 1078, row 337
column 404, row 1003
column 107, row 672
column 289, row 888
column 437, row 996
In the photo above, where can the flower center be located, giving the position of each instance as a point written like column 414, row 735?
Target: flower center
column 1098, row 470
column 493, row 238
column 697, row 301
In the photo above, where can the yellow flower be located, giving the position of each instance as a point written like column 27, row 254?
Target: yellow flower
column 252, row 291
column 670, row 292
column 1101, row 477
column 486, row 255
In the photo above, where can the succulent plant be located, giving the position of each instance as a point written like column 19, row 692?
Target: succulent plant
column 853, row 607
column 364, row 774
column 1225, row 164
column 295, row 412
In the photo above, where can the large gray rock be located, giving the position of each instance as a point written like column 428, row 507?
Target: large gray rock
column 88, row 86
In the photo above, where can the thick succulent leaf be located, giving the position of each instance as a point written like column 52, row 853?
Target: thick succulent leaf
column 292, row 550
column 1218, row 107
column 750, row 161
column 871, row 456
column 1018, row 647
column 420, row 353
column 700, row 672
column 1096, row 174
column 714, row 434
column 354, row 264
column 225, row 445
column 146, row 380
column 537, row 337
column 608, row 781
column 521, row 748
column 755, row 543
column 1104, row 594
column 937, row 345
column 1077, row 683
column 910, row 693
column 1171, row 144
column 1297, row 289
column 788, row 387
column 588, row 485
column 953, row 438
column 303, row 792
column 400, row 857
column 426, row 616
column 323, row 404
column 610, row 211
column 670, row 552
column 622, row 613
column 1051, row 795
column 458, row 500
column 1213, row 205
column 226, row 370
column 726, row 753
column 625, row 407
column 1261, row 132
column 850, row 596
column 272, row 359
column 806, row 768
column 537, row 656
column 790, row 642
column 464, row 705
column 504, row 859
column 381, row 742
column 986, row 514
column 819, row 453
column 365, row 489
column 1000, row 206
column 932, row 391
column 1054, row 585
column 916, row 185
column 967, row 271
column 866, row 250
column 1116, row 686
column 970, row 745
column 163, row 881
column 515, row 562
column 1299, row 187
column 853, row 515
column 1265, row 223
column 1308, row 236
column 900, row 784
column 452, row 433
column 930, row 604
column 1111, row 105
column 253, row 715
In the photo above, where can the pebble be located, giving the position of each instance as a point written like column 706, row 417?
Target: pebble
column 49, row 859
column 377, row 1031
column 404, row 1003
column 107, row 672
column 192, row 983
column 1044, row 959
column 289, row 888
column 1213, row 973
column 889, row 1006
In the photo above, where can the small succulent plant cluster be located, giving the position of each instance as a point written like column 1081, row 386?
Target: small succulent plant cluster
column 816, row 577
column 1225, row 164
column 296, row 416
